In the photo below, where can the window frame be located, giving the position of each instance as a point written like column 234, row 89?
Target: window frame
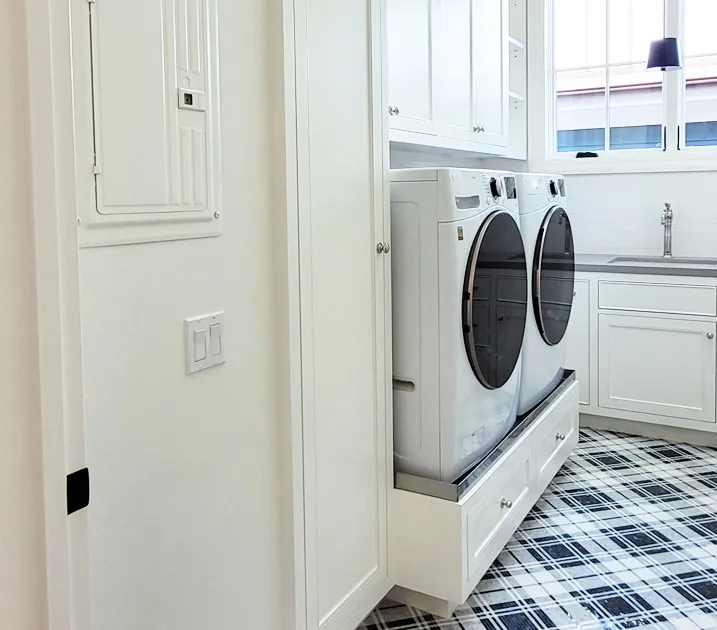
column 542, row 123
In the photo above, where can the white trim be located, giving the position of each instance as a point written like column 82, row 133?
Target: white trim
column 604, row 165
column 58, row 294
column 289, row 305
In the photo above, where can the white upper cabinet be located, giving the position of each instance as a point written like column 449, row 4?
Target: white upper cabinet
column 490, row 33
column 411, row 25
column 455, row 70
column 147, row 124
column 449, row 73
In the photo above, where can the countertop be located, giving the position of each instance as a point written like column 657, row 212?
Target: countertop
column 601, row 263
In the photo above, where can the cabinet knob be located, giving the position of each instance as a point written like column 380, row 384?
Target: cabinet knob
column 391, row 110
column 479, row 129
column 386, row 248
column 506, row 503
column 379, row 248
column 560, row 436
column 396, row 111
column 710, row 335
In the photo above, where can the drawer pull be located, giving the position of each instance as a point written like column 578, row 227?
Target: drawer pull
column 506, row 503
column 560, row 436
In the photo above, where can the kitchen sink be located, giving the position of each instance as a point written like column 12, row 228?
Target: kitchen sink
column 653, row 260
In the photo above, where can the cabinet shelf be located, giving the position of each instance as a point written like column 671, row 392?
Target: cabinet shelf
column 516, row 44
column 515, row 97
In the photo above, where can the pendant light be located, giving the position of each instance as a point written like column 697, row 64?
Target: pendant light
column 665, row 54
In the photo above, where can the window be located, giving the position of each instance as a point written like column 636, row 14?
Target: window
column 601, row 98
column 604, row 96
column 699, row 51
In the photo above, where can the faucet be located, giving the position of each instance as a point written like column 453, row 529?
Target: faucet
column 667, row 222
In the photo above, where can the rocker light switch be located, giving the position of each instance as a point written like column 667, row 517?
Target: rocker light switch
column 204, row 342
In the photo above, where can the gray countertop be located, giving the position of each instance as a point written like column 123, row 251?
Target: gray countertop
column 601, row 263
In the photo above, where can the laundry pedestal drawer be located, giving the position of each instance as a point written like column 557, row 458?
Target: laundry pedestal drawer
column 441, row 548
column 555, row 439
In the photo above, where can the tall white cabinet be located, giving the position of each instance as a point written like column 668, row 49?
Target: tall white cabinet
column 344, row 254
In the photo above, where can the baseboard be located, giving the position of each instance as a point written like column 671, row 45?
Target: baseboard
column 649, row 429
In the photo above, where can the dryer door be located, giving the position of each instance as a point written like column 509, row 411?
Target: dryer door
column 554, row 276
column 495, row 300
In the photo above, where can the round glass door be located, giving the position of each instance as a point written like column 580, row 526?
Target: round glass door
column 495, row 300
column 554, row 276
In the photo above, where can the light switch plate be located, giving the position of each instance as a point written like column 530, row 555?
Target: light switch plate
column 204, row 342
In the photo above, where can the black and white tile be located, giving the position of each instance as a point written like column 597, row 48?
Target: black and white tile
column 625, row 537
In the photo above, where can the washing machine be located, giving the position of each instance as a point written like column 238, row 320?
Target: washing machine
column 460, row 304
column 548, row 238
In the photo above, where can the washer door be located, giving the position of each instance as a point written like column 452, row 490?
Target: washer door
column 554, row 276
column 495, row 300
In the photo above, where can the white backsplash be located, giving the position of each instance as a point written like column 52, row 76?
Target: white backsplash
column 620, row 214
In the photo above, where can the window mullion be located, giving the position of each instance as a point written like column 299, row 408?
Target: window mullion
column 672, row 87
column 607, row 75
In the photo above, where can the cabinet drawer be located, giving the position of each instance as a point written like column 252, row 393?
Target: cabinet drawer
column 658, row 298
column 506, row 499
column 556, row 439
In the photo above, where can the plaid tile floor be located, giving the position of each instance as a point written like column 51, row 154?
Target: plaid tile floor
column 625, row 537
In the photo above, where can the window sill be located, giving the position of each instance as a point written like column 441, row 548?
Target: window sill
column 570, row 165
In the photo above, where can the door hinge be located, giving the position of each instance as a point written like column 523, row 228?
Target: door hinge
column 96, row 169
column 91, row 1
column 78, row 490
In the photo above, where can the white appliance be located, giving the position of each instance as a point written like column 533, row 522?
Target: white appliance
column 460, row 302
column 548, row 238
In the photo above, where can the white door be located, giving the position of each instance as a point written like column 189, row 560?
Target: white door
column 411, row 32
column 455, row 72
column 659, row 366
column 490, row 34
column 577, row 339
column 342, row 214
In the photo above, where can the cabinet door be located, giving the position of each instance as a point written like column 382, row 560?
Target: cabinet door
column 455, row 72
column 411, row 30
column 490, row 34
column 659, row 366
column 342, row 212
column 578, row 339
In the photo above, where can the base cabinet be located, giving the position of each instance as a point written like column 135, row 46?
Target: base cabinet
column 578, row 339
column 659, row 366
column 645, row 350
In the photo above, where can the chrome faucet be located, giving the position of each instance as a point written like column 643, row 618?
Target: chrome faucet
column 667, row 222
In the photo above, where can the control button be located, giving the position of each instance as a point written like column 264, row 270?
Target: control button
column 553, row 189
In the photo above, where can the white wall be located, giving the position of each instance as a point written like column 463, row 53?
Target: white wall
column 187, row 516
column 621, row 213
column 23, row 603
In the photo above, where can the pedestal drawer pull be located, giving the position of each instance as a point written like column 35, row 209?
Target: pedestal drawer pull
column 506, row 503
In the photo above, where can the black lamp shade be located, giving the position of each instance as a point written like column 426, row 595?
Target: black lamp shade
column 665, row 54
